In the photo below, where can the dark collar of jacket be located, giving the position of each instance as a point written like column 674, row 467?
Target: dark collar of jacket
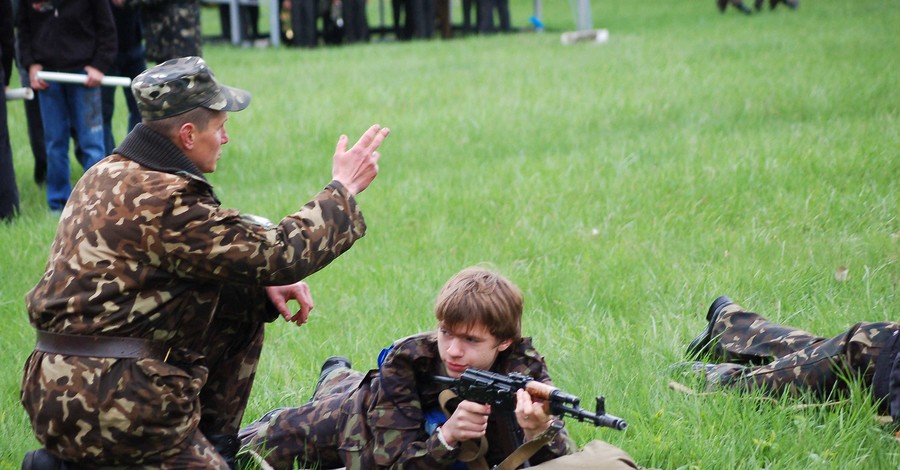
column 153, row 150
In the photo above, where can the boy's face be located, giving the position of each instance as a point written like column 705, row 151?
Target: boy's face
column 468, row 347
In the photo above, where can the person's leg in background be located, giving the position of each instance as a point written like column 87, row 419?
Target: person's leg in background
column 486, row 16
column 303, row 22
column 131, row 65
column 35, row 129
column 86, row 116
column 55, row 118
column 9, row 192
column 503, row 14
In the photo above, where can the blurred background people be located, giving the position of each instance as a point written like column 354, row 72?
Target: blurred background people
column 356, row 23
column 413, row 19
column 249, row 21
column 303, row 15
column 76, row 36
column 32, row 116
column 486, row 16
column 722, row 5
column 171, row 28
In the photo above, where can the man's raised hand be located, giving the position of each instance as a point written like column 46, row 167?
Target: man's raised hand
column 357, row 167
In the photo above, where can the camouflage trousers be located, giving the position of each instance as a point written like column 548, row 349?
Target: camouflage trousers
column 143, row 413
column 759, row 354
column 308, row 435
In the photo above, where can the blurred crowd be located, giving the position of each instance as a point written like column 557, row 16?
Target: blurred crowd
column 309, row 23
column 757, row 4
column 53, row 36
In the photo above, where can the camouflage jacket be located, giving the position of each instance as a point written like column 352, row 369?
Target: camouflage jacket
column 171, row 28
column 143, row 249
column 395, row 398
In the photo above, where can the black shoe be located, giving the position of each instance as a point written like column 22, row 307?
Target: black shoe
column 42, row 460
column 792, row 4
column 330, row 364
column 758, row 4
column 703, row 342
column 721, row 4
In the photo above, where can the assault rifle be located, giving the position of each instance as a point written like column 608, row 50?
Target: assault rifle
column 499, row 391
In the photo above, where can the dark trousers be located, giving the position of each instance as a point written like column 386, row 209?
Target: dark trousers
column 486, row 16
column 127, row 64
column 418, row 17
column 356, row 25
column 9, row 192
column 249, row 21
column 35, row 130
column 303, row 23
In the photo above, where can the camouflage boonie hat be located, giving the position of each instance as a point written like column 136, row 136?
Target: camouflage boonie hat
column 179, row 85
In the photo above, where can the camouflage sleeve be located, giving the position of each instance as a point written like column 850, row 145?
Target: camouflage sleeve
column 203, row 241
column 397, row 418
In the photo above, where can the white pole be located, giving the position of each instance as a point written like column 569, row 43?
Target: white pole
column 79, row 79
column 19, row 94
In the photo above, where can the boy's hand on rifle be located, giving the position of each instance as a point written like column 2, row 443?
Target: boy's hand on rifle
column 469, row 421
column 530, row 415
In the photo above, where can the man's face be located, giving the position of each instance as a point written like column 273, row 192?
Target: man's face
column 464, row 348
column 208, row 143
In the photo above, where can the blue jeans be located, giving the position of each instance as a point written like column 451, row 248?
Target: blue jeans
column 66, row 107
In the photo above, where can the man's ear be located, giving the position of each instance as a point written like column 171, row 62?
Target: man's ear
column 186, row 135
column 504, row 345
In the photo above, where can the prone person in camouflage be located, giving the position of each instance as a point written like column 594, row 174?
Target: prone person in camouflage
column 150, row 314
column 171, row 28
column 750, row 352
column 390, row 417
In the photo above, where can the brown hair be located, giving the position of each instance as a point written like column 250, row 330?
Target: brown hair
column 477, row 295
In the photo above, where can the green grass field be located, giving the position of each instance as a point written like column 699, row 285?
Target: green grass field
column 622, row 186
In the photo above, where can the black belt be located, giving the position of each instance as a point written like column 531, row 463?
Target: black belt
column 100, row 346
